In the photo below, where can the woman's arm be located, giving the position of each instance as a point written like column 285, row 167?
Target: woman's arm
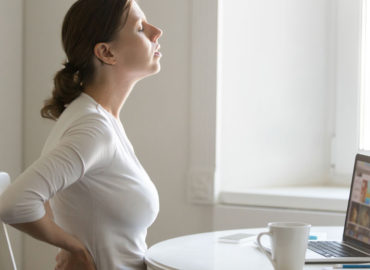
column 48, row 210
column 74, row 254
column 87, row 145
column 45, row 229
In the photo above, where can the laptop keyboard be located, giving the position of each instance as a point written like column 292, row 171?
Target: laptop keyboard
column 333, row 249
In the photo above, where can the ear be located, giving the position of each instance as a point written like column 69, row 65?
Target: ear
column 103, row 52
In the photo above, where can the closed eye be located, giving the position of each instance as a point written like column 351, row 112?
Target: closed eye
column 140, row 23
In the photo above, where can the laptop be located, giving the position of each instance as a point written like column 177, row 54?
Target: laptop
column 355, row 244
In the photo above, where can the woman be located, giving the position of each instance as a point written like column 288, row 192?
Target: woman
column 101, row 199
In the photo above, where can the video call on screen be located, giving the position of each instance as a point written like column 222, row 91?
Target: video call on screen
column 358, row 219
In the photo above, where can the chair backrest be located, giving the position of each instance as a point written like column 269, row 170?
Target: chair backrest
column 7, row 261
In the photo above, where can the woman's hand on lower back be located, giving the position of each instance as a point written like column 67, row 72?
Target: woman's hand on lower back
column 74, row 261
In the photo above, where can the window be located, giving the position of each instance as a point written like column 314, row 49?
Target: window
column 290, row 87
column 275, row 96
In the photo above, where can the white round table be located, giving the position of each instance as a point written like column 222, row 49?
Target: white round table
column 204, row 252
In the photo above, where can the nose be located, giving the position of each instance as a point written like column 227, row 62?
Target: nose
column 157, row 33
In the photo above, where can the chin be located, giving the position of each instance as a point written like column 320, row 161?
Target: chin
column 155, row 69
column 158, row 69
column 149, row 71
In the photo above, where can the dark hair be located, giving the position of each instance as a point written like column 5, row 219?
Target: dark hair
column 86, row 23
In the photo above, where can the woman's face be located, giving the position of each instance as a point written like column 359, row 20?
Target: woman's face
column 136, row 47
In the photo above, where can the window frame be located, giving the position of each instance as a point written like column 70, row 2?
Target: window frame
column 365, row 66
column 347, row 97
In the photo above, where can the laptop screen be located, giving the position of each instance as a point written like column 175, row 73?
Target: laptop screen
column 358, row 215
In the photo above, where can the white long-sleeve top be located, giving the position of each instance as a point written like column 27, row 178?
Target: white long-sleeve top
column 97, row 188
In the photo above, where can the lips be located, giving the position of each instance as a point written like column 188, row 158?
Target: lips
column 156, row 52
column 157, row 47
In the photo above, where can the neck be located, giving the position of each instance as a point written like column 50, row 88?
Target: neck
column 111, row 96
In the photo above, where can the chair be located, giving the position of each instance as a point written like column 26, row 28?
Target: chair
column 7, row 261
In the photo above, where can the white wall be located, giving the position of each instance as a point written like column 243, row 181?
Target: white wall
column 156, row 116
column 11, row 101
column 276, row 89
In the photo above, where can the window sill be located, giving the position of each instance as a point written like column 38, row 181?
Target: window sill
column 323, row 198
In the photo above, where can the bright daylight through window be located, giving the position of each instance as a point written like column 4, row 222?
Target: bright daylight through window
column 291, row 80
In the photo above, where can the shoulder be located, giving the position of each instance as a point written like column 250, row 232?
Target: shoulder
column 92, row 119
column 92, row 126
column 82, row 119
column 92, row 137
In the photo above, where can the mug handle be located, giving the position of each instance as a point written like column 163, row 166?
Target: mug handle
column 263, row 249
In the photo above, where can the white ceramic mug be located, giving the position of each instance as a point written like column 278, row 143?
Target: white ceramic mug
column 288, row 244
